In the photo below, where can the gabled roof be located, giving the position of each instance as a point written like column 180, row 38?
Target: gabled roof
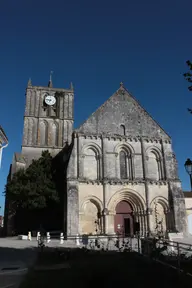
column 122, row 108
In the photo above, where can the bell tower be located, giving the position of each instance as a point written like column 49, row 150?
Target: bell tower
column 48, row 119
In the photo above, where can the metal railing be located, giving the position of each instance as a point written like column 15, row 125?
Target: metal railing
column 177, row 255
column 93, row 242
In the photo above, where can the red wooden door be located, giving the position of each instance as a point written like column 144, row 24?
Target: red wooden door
column 123, row 222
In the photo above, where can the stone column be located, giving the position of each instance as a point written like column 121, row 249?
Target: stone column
column 145, row 177
column 142, row 223
column 117, row 166
column 103, row 176
column 149, row 215
column 72, row 209
column 105, row 210
column 132, row 162
column 110, row 223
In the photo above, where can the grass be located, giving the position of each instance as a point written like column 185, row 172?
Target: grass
column 102, row 269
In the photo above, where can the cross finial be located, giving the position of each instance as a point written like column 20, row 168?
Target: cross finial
column 121, row 84
column 50, row 78
column 50, row 84
column 29, row 84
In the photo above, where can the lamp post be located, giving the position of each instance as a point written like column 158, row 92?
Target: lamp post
column 188, row 168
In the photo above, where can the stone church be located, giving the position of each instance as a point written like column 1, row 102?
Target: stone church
column 121, row 169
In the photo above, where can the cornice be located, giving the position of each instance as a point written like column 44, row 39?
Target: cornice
column 119, row 181
column 118, row 137
column 51, row 89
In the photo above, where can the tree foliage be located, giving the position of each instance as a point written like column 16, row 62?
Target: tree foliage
column 33, row 188
column 188, row 77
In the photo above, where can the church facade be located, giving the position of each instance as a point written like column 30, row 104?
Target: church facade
column 121, row 169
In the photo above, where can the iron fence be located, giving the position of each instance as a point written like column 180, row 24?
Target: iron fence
column 93, row 242
column 174, row 254
column 177, row 255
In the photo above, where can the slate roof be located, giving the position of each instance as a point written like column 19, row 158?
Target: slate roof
column 187, row 194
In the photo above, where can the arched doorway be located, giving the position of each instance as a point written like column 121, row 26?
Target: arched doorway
column 124, row 219
column 126, row 204
column 160, row 221
column 90, row 218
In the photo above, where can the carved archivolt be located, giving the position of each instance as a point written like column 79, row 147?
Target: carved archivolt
column 154, row 150
column 95, row 200
column 133, row 197
column 91, row 145
column 125, row 146
column 162, row 200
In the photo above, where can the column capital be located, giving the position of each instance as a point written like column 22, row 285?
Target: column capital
column 149, row 211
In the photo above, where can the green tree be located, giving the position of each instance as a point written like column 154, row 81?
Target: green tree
column 188, row 77
column 33, row 188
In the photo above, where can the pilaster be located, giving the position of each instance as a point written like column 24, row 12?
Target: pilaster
column 178, row 204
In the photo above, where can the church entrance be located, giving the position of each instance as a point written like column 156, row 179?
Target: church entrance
column 124, row 219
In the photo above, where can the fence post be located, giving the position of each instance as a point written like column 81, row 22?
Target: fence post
column 61, row 238
column 29, row 236
column 178, row 257
column 131, row 246
column 77, row 240
column 38, row 236
column 48, row 237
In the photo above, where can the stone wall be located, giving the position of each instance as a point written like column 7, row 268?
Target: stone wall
column 102, row 183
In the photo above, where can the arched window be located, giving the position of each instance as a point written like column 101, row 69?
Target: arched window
column 43, row 133
column 154, row 165
column 32, row 104
column 54, row 136
column 26, row 131
column 125, row 161
column 123, row 165
column 122, row 129
column 92, row 164
column 31, row 132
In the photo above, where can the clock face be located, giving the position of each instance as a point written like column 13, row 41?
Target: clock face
column 50, row 100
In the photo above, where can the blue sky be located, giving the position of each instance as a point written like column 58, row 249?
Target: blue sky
column 97, row 44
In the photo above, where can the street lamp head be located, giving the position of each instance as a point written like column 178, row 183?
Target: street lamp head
column 188, row 166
